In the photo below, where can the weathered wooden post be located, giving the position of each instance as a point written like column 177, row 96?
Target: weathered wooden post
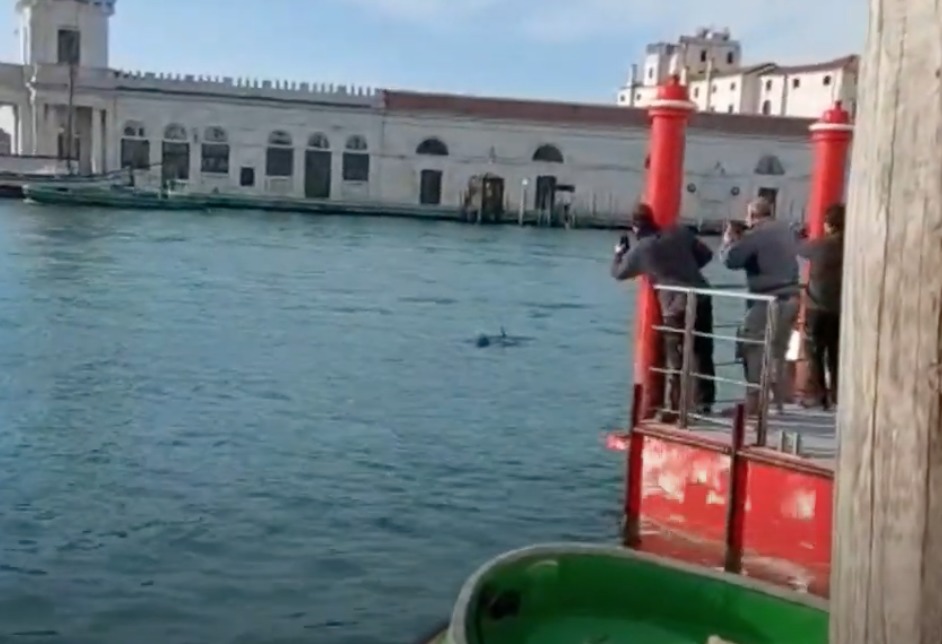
column 887, row 568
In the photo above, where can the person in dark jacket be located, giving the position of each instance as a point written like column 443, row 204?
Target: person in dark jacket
column 767, row 251
column 823, row 304
column 674, row 256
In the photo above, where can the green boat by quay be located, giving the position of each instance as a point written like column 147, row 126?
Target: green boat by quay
column 586, row 594
column 128, row 197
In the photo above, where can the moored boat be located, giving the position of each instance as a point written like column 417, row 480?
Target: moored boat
column 551, row 594
column 126, row 197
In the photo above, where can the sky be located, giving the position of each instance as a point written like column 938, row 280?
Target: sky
column 576, row 50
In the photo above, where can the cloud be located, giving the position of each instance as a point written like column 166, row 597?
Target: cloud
column 780, row 30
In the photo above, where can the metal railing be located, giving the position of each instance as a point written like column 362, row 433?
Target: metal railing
column 689, row 376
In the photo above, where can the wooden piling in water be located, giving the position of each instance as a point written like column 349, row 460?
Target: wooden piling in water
column 887, row 567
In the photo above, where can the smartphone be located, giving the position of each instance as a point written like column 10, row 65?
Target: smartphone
column 624, row 241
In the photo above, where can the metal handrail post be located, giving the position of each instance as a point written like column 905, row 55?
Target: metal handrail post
column 771, row 322
column 690, row 318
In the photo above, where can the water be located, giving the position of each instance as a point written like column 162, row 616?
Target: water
column 257, row 428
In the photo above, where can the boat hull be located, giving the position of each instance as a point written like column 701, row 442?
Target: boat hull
column 580, row 593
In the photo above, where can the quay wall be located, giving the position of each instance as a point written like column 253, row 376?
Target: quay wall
column 317, row 140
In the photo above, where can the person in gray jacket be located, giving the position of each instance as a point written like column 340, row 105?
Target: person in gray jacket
column 767, row 251
column 674, row 256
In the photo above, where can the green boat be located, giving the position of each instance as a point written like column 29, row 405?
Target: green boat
column 126, row 197
column 109, row 197
column 581, row 594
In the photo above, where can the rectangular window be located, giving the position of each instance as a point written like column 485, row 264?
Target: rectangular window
column 279, row 162
column 247, row 177
column 65, row 152
column 69, row 41
column 215, row 158
column 356, row 166
column 175, row 161
column 135, row 154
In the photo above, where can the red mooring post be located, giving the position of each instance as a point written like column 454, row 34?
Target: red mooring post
column 669, row 111
column 830, row 144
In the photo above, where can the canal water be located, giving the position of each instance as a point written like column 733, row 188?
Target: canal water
column 256, row 428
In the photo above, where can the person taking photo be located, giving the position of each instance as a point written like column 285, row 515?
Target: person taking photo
column 673, row 256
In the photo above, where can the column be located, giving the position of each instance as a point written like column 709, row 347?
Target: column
column 670, row 110
column 97, row 151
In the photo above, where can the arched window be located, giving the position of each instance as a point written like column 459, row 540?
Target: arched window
column 357, row 143
column 770, row 165
column 214, row 154
column 135, row 147
column 432, row 147
column 134, row 130
column 318, row 141
column 548, row 154
column 279, row 156
column 356, row 160
column 175, row 132
column 766, row 107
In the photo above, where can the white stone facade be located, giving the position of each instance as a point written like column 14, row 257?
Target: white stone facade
column 355, row 144
column 711, row 63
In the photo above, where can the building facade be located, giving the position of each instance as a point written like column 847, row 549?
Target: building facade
column 63, row 100
column 711, row 63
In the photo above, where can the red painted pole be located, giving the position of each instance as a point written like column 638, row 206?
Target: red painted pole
column 830, row 143
column 634, row 471
column 669, row 111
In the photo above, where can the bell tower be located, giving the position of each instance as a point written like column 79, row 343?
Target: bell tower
column 64, row 32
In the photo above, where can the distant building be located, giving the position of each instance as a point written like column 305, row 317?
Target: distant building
column 62, row 104
column 711, row 63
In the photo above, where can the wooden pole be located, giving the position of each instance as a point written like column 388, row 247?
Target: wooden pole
column 887, row 568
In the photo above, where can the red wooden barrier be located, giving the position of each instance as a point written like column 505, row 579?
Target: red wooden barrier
column 748, row 509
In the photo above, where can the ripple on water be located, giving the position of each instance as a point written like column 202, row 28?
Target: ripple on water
column 223, row 429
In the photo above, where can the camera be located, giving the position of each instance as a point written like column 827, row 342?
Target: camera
column 737, row 226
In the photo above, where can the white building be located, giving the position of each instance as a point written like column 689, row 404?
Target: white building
column 348, row 143
column 711, row 63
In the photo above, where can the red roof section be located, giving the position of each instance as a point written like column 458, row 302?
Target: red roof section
column 586, row 115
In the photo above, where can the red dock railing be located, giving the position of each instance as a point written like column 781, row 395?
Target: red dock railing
column 718, row 495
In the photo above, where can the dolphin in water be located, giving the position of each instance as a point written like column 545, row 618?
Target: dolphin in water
column 502, row 340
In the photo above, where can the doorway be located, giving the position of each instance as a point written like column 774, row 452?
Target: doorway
column 317, row 174
column 430, row 187
column 770, row 195
column 492, row 198
column 545, row 193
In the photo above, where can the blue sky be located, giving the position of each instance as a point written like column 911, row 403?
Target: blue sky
column 563, row 49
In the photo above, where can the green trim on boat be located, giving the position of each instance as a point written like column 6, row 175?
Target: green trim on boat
column 573, row 593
